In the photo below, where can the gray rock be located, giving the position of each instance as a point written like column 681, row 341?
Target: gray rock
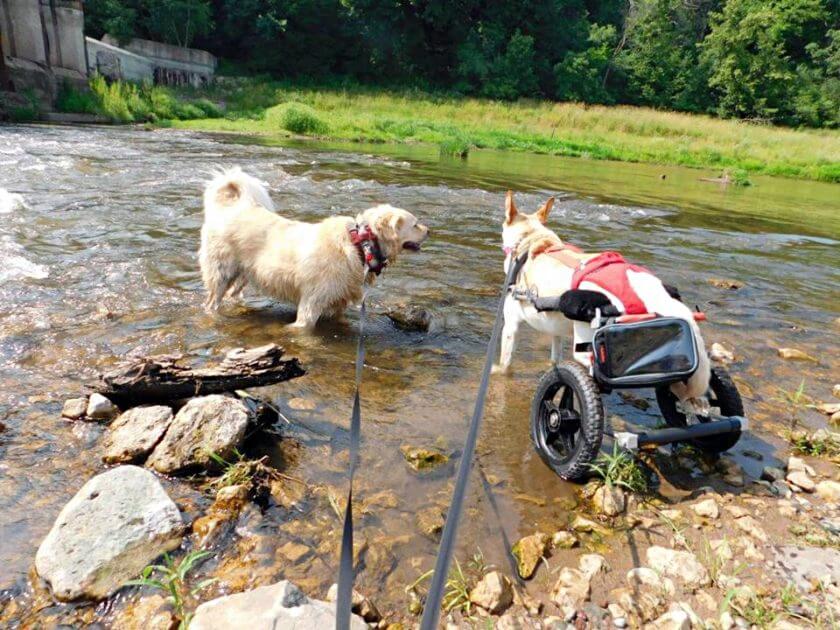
column 135, row 433
column 680, row 565
column 116, row 524
column 801, row 480
column 806, row 565
column 74, row 408
column 781, row 489
column 610, row 500
column 771, row 474
column 100, row 408
column 276, row 606
column 493, row 593
column 205, row 425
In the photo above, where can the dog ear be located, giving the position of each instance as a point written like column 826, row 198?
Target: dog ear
column 228, row 194
column 542, row 213
column 510, row 208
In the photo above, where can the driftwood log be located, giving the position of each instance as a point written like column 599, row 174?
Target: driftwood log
column 161, row 378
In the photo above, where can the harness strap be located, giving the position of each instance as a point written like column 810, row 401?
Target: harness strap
column 431, row 611
column 344, row 599
column 368, row 247
column 562, row 253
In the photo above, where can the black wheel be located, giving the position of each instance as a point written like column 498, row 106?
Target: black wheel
column 567, row 420
column 723, row 396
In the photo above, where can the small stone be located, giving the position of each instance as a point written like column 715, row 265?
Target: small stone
column 708, row 508
column 792, row 354
column 360, row 605
column 751, row 552
column 835, row 418
column 736, row 511
column 430, row 521
column 570, row 591
column 149, row 613
column 798, row 464
column 771, row 473
column 781, row 489
column 620, row 622
column 564, row 540
column 639, row 577
column 681, row 565
column 583, row 524
column 720, row 354
column 293, row 552
column 135, row 433
column 610, row 500
column 528, row 553
column 672, row 620
column 100, row 408
column 493, row 593
column 801, row 480
column 74, row 408
column 672, row 514
column 749, row 525
column 591, row 564
column 421, row 459
column 726, row 283
column 726, row 621
column 828, row 409
column 829, row 490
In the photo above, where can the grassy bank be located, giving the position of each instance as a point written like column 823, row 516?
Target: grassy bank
column 459, row 125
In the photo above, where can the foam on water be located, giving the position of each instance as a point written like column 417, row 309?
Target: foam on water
column 9, row 201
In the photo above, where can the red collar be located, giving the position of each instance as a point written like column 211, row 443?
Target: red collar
column 368, row 247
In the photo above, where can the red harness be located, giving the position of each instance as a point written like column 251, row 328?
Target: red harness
column 609, row 272
column 368, row 247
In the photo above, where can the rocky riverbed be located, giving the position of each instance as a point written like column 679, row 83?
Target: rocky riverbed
column 95, row 243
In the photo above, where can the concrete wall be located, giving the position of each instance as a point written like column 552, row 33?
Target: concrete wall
column 43, row 44
column 116, row 63
column 170, row 65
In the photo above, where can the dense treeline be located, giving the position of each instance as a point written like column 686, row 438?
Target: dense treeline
column 769, row 60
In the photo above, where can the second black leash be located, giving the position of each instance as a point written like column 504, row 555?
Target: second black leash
column 431, row 610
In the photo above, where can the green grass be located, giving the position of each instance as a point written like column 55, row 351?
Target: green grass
column 126, row 102
column 457, row 124
column 621, row 469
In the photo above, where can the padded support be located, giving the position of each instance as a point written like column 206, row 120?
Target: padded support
column 580, row 305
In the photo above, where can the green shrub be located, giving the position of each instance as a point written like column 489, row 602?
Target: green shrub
column 70, row 99
column 302, row 119
column 458, row 146
column 208, row 108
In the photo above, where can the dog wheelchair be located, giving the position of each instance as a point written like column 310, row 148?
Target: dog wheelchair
column 613, row 351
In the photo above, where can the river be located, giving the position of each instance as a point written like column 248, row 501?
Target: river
column 98, row 261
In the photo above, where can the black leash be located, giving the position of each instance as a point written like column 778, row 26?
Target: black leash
column 344, row 600
column 431, row 610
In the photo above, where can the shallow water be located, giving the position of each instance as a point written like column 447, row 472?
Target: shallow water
column 97, row 261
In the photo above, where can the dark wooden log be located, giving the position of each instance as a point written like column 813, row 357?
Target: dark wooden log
column 162, row 378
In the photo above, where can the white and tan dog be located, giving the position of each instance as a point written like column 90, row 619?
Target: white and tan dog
column 547, row 275
column 316, row 265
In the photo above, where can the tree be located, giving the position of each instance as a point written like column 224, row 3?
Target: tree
column 752, row 53
column 581, row 75
column 112, row 17
column 178, row 21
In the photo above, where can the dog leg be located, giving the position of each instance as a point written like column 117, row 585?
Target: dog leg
column 509, row 334
column 307, row 315
column 237, row 287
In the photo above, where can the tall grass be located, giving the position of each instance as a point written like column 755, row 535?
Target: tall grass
column 633, row 134
column 125, row 102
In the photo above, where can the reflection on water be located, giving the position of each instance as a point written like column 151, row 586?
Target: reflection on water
column 97, row 261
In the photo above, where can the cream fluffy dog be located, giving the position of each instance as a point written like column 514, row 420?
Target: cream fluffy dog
column 315, row 265
column 548, row 276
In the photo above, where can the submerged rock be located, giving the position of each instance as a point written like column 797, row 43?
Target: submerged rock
column 792, row 354
column 150, row 613
column 493, row 593
column 564, row 540
column 528, row 553
column 361, row 605
column 410, row 317
column 100, row 408
column 721, row 354
column 204, row 426
column 135, row 433
column 430, row 521
column 280, row 605
column 421, row 459
column 726, row 283
column 74, row 408
column 116, row 524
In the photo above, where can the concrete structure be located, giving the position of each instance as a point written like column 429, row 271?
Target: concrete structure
column 42, row 45
column 144, row 60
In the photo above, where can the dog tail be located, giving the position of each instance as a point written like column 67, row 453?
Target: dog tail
column 233, row 187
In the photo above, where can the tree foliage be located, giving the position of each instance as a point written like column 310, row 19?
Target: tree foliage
column 773, row 60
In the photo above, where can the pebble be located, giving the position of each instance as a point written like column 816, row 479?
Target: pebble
column 772, row 473
column 100, row 408
column 721, row 354
column 792, row 354
column 620, row 622
column 801, row 480
column 74, row 408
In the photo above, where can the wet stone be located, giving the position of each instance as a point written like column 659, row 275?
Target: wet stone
column 564, row 540
column 149, row 613
column 100, row 408
column 493, row 593
column 430, row 522
column 793, row 354
column 135, row 433
column 771, row 474
column 74, row 408
column 360, row 604
column 528, row 553
column 421, row 459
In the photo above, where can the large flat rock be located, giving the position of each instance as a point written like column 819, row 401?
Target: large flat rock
column 205, row 425
column 280, row 605
column 135, row 433
column 120, row 521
